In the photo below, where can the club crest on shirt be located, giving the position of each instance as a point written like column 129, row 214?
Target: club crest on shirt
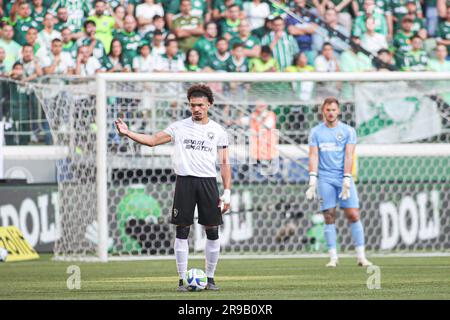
column 175, row 212
column 339, row 136
column 210, row 135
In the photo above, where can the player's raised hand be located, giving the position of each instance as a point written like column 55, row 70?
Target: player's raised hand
column 311, row 192
column 121, row 127
column 346, row 183
column 225, row 200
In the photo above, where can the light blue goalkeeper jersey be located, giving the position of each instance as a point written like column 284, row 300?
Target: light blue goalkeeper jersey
column 331, row 143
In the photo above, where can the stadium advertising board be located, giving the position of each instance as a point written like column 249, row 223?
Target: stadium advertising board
column 33, row 209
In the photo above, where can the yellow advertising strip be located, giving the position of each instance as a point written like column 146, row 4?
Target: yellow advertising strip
column 18, row 247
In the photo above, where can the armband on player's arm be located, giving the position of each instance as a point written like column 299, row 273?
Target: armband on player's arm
column 346, row 183
column 311, row 192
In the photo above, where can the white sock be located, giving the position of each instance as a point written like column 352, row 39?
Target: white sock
column 360, row 252
column 212, row 251
column 333, row 254
column 181, row 255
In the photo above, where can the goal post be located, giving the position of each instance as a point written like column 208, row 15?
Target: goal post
column 403, row 156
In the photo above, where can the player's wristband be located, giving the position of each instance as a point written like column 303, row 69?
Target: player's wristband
column 312, row 173
column 347, row 175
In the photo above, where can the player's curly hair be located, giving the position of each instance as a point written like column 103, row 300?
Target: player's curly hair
column 200, row 90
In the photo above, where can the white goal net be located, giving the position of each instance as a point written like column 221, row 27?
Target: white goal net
column 115, row 196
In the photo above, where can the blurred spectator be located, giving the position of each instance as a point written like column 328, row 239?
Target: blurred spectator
column 371, row 40
column 77, row 12
column 58, row 62
column 229, row 26
column 432, row 17
column 17, row 71
column 38, row 12
column 144, row 61
column 206, row 45
column 331, row 18
column 402, row 39
column 264, row 63
column 415, row 59
column 238, row 61
column 68, row 44
column 199, row 9
column 192, row 61
column 32, row 39
column 104, row 24
column 441, row 63
column 158, row 46
column 22, row 21
column 256, row 11
column 170, row 61
column 86, row 65
column 370, row 10
column 354, row 61
column 302, row 89
column 119, row 14
column 418, row 23
column 384, row 7
column 326, row 62
column 47, row 34
column 91, row 40
column 30, row 63
column 145, row 13
column 252, row 45
column 12, row 48
column 117, row 60
column 342, row 9
column 263, row 133
column 283, row 45
column 63, row 22
column 2, row 62
column 220, row 8
column 300, row 64
column 218, row 60
column 385, row 56
column 187, row 28
column 128, row 38
column 443, row 33
column 302, row 31
column 265, row 29
column 442, row 6
column 399, row 9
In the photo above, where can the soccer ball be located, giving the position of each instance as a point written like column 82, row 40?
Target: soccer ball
column 3, row 254
column 196, row 280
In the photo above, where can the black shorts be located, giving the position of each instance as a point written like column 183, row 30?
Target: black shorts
column 191, row 191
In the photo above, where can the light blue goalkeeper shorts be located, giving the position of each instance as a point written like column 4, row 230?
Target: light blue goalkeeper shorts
column 329, row 191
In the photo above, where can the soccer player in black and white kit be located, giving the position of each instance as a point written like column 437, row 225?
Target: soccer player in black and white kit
column 199, row 143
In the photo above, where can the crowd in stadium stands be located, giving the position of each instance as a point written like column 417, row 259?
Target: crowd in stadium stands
column 83, row 37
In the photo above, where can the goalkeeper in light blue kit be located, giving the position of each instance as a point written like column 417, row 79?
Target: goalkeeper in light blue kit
column 331, row 147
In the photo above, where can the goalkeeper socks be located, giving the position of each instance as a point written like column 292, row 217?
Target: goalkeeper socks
column 330, row 237
column 358, row 239
column 212, row 250
column 181, row 256
column 357, row 233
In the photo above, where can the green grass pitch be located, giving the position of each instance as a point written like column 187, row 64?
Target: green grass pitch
column 401, row 278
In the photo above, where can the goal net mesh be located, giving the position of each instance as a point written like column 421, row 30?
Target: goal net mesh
column 402, row 167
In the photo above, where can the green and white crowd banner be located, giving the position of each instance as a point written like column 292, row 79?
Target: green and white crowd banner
column 394, row 112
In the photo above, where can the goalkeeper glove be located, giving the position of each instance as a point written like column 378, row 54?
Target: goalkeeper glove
column 311, row 192
column 346, row 183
